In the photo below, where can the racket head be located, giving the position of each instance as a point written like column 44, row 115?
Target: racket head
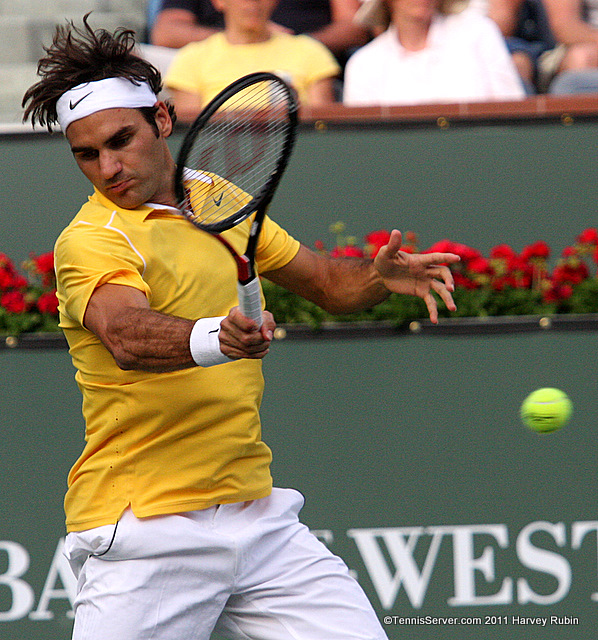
column 234, row 154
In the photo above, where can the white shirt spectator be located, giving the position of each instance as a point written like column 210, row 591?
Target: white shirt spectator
column 465, row 60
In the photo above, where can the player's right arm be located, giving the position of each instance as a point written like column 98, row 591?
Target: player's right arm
column 140, row 338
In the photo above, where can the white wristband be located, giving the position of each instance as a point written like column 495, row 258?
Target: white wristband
column 205, row 344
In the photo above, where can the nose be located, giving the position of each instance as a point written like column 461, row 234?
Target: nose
column 110, row 164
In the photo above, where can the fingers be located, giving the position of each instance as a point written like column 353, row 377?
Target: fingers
column 442, row 274
column 441, row 258
column 240, row 337
column 395, row 242
column 432, row 307
column 445, row 294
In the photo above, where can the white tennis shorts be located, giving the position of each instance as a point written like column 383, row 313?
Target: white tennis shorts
column 249, row 570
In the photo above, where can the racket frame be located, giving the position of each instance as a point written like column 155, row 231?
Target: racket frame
column 248, row 284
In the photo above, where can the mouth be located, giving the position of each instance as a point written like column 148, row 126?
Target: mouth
column 120, row 187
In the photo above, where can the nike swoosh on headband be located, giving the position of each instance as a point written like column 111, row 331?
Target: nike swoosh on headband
column 73, row 105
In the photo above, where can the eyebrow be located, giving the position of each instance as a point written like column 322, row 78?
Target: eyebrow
column 122, row 131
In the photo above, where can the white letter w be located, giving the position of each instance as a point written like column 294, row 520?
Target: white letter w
column 400, row 550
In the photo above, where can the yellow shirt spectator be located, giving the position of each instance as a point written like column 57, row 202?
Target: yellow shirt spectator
column 208, row 66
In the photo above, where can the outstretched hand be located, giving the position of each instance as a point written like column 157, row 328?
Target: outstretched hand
column 421, row 274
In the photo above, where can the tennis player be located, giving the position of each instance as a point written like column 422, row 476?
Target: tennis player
column 174, row 529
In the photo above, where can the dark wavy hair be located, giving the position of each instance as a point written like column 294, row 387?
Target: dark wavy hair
column 79, row 55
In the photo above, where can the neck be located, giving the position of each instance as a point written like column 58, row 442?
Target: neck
column 164, row 193
column 237, row 34
column 412, row 32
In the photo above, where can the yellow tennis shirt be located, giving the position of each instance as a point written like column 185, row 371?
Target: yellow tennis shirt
column 209, row 66
column 160, row 442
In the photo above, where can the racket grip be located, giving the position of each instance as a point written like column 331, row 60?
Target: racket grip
column 250, row 300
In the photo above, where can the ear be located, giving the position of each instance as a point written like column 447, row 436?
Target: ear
column 163, row 119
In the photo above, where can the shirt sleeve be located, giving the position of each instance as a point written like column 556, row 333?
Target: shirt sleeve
column 275, row 248
column 319, row 60
column 87, row 257
column 184, row 72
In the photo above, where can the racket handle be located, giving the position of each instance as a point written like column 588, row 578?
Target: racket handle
column 250, row 300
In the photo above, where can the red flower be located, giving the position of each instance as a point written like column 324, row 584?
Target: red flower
column 566, row 273
column 10, row 279
column 5, row 262
column 410, row 237
column 13, row 301
column 558, row 292
column 588, row 236
column 48, row 302
column 442, row 246
column 570, row 252
column 479, row 265
column 44, row 263
column 502, row 252
column 375, row 241
column 536, row 250
column 465, row 252
column 350, row 251
column 378, row 238
column 462, row 280
column 6, row 278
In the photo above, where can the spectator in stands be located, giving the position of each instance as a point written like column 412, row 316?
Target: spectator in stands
column 526, row 29
column 180, row 22
column 574, row 64
column 249, row 43
column 431, row 51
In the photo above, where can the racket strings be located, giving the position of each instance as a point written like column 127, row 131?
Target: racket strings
column 240, row 148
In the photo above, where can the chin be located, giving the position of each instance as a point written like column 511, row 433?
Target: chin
column 125, row 200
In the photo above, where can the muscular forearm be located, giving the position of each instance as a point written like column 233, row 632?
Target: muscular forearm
column 140, row 338
column 146, row 340
column 353, row 285
column 338, row 285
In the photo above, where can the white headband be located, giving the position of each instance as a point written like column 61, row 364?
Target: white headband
column 110, row 93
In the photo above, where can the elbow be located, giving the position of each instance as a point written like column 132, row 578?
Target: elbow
column 121, row 349
column 124, row 358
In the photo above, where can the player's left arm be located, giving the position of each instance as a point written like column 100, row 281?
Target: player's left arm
column 347, row 285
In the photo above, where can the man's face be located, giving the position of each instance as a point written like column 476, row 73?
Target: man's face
column 119, row 153
column 247, row 12
column 414, row 9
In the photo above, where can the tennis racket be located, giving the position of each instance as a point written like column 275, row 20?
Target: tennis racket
column 230, row 163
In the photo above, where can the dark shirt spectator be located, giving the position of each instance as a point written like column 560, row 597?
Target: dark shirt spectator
column 180, row 22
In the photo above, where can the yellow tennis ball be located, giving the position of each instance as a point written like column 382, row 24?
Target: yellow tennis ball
column 546, row 410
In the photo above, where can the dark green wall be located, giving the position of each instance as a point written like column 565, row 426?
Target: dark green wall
column 477, row 184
